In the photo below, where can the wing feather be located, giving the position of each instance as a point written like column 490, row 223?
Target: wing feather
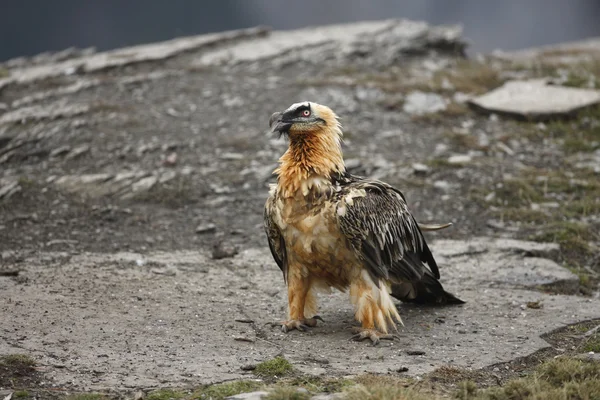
column 275, row 238
column 384, row 233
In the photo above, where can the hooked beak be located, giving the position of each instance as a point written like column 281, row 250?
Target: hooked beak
column 277, row 124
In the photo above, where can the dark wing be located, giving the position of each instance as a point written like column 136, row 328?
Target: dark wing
column 274, row 237
column 385, row 235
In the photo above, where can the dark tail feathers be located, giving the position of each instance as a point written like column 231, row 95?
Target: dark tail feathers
column 426, row 291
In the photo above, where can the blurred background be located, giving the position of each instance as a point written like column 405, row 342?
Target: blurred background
column 28, row 27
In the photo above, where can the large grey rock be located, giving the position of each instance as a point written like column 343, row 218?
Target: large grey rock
column 125, row 184
column 124, row 56
column 171, row 329
column 535, row 99
column 392, row 38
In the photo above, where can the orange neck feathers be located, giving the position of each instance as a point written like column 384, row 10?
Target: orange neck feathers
column 310, row 154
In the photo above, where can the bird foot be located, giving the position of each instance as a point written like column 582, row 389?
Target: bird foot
column 300, row 324
column 373, row 334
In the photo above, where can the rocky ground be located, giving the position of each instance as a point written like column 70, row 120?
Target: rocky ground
column 132, row 184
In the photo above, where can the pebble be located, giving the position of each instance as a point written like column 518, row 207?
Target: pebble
column 77, row 151
column 443, row 185
column 420, row 169
column 59, row 151
column 206, row 228
column 223, row 249
column 419, row 103
column 459, row 159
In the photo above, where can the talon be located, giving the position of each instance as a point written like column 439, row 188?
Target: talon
column 372, row 334
column 301, row 325
column 319, row 318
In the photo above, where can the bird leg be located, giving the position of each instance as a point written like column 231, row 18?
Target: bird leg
column 298, row 288
column 374, row 309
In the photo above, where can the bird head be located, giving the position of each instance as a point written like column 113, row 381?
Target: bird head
column 306, row 118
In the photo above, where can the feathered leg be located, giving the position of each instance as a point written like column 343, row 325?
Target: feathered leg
column 374, row 309
column 299, row 298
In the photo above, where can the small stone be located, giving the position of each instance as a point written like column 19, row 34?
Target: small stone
column 231, row 156
column 248, row 367
column 59, row 151
column 415, row 352
column 535, row 305
column 223, row 249
column 77, row 152
column 144, row 184
column 505, row 148
column 490, row 196
column 420, row 169
column 402, row 369
column 243, row 339
column 459, row 159
column 206, row 228
column 167, row 176
column 419, row 103
column 443, row 185
column 170, row 160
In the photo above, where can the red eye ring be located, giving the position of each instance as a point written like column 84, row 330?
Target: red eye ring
column 306, row 113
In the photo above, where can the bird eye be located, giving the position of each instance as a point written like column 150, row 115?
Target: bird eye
column 306, row 113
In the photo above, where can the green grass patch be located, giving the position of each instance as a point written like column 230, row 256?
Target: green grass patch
column 17, row 361
column 321, row 385
column 469, row 76
column 20, row 394
column 523, row 214
column 377, row 387
column 516, row 193
column 222, row 390
column 572, row 236
column 274, row 368
column 166, row 394
column 4, row 73
column 561, row 378
column 592, row 344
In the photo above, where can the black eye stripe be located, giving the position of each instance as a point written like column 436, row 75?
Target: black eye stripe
column 301, row 109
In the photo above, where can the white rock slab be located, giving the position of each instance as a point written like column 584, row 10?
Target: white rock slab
column 535, row 99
